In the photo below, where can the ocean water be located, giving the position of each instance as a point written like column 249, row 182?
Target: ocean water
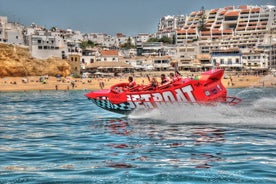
column 61, row 137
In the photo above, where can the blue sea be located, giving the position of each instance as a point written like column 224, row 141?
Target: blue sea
column 61, row 137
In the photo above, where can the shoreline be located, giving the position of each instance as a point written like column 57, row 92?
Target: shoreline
column 33, row 83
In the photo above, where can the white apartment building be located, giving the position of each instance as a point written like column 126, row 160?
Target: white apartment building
column 168, row 24
column 108, row 55
column 3, row 24
column 227, row 58
column 45, row 46
column 162, row 63
column 89, row 56
column 103, row 39
column 141, row 38
column 255, row 59
column 244, row 27
column 11, row 32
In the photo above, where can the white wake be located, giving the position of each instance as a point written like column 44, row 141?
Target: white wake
column 261, row 112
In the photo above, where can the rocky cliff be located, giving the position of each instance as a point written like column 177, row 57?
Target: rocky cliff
column 17, row 61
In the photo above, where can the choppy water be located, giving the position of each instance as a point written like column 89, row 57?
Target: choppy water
column 61, row 137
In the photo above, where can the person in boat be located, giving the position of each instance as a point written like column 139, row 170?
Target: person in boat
column 164, row 79
column 175, row 77
column 172, row 77
column 165, row 82
column 131, row 83
column 153, row 83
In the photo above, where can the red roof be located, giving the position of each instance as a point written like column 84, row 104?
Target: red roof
column 245, row 11
column 240, row 28
column 261, row 27
column 180, row 31
column 243, row 7
column 213, row 11
column 205, row 32
column 227, row 31
column 263, row 22
column 252, row 23
column 255, row 10
column 232, row 14
column 229, row 8
column 200, row 13
column 191, row 31
column 215, row 31
column 222, row 12
column 109, row 52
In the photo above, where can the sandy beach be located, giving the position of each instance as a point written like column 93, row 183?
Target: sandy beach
column 33, row 83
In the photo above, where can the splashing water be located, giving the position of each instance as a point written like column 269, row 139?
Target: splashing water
column 257, row 106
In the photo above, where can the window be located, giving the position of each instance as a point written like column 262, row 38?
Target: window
column 229, row 61
column 215, row 61
column 237, row 60
column 221, row 61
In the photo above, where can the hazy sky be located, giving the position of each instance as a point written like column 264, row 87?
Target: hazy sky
column 108, row 16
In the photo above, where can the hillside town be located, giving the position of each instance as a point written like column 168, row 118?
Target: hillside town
column 239, row 38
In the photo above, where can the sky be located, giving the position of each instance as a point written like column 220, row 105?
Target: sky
column 129, row 17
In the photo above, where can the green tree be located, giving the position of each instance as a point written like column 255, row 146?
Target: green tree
column 85, row 44
column 90, row 43
column 153, row 40
column 128, row 44
column 202, row 20
column 174, row 39
column 164, row 39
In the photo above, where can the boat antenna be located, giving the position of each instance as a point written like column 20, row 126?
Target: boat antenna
column 176, row 69
column 148, row 77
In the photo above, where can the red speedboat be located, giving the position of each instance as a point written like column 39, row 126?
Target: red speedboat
column 207, row 90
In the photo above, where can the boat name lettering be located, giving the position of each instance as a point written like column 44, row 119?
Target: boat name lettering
column 150, row 100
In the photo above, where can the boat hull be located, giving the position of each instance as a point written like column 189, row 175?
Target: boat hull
column 208, row 90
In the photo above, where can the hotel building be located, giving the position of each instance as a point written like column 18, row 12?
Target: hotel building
column 247, row 28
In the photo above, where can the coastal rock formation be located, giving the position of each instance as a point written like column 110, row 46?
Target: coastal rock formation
column 16, row 61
